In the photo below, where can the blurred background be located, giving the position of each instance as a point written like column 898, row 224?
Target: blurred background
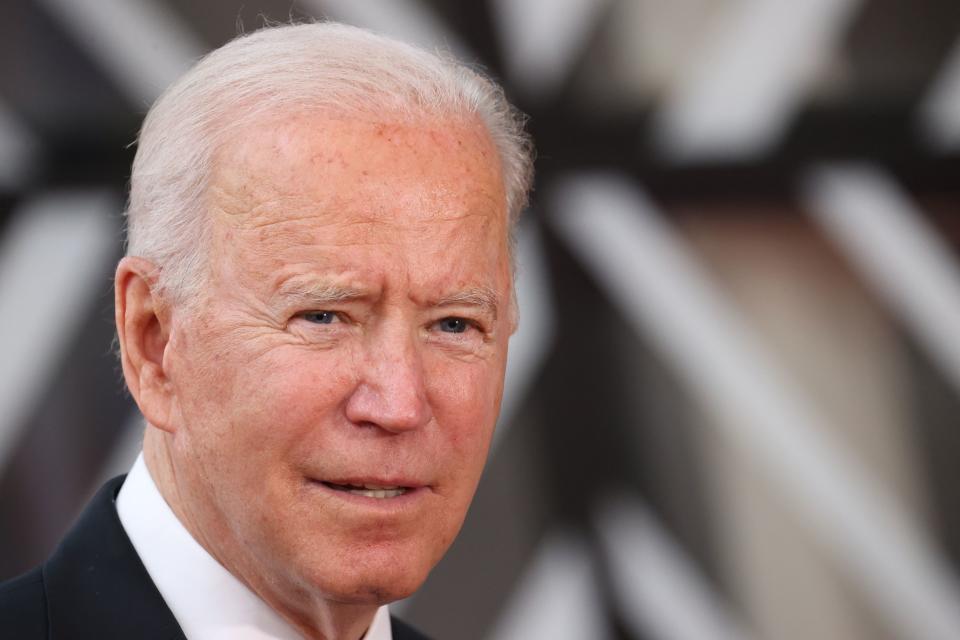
column 732, row 405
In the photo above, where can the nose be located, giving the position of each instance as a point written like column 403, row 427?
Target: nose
column 391, row 393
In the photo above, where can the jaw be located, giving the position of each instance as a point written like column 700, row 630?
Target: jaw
column 317, row 613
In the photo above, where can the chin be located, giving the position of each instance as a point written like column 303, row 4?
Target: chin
column 369, row 580
column 375, row 590
column 375, row 594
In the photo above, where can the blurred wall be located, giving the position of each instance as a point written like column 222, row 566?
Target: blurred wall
column 731, row 404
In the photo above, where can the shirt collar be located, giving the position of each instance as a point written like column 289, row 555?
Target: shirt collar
column 205, row 598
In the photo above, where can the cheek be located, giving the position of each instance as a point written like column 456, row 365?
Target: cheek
column 293, row 389
column 264, row 402
column 466, row 399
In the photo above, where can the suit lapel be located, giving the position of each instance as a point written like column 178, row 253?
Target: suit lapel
column 96, row 585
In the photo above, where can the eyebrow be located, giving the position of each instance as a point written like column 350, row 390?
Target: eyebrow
column 319, row 293
column 482, row 297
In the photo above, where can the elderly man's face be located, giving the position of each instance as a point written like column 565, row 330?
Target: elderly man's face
column 335, row 396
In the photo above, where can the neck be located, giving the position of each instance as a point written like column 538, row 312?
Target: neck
column 313, row 616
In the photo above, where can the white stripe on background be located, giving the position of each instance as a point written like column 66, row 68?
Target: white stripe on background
column 556, row 598
column 660, row 591
column 408, row 20
column 542, row 39
column 533, row 340
column 904, row 260
column 749, row 77
column 940, row 109
column 18, row 150
column 661, row 289
column 54, row 262
column 140, row 43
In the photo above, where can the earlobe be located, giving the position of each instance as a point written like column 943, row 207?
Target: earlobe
column 143, row 334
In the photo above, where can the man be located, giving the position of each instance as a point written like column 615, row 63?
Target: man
column 313, row 317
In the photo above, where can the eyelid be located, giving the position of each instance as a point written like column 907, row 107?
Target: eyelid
column 339, row 316
column 478, row 324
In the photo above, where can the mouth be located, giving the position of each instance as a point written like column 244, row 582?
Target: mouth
column 369, row 490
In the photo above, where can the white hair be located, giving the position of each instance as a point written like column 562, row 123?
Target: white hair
column 320, row 65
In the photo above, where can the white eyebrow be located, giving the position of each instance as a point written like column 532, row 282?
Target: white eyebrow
column 482, row 297
column 319, row 293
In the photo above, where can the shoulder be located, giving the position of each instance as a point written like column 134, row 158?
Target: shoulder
column 402, row 631
column 92, row 586
column 23, row 607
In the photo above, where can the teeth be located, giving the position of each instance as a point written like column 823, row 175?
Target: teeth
column 369, row 490
column 377, row 493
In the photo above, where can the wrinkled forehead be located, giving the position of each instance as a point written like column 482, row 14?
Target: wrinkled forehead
column 323, row 160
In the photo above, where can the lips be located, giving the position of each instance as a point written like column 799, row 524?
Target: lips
column 378, row 487
column 370, row 490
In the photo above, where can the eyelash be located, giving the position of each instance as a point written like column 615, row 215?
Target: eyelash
column 308, row 316
column 463, row 324
column 326, row 317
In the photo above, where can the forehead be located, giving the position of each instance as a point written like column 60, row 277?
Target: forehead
column 332, row 193
column 379, row 169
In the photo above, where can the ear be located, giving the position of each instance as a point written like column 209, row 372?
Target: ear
column 143, row 331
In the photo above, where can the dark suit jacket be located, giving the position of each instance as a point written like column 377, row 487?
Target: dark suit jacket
column 94, row 586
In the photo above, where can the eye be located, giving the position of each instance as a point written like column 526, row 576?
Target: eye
column 321, row 317
column 453, row 325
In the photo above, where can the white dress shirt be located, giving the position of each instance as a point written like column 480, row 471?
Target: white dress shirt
column 205, row 598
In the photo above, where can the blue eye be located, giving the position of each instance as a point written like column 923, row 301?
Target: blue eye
column 453, row 325
column 320, row 317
